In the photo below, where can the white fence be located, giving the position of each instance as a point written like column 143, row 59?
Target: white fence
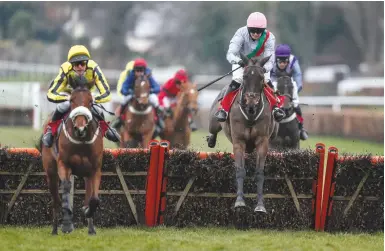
column 29, row 96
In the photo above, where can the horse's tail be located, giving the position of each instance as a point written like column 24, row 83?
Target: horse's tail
column 39, row 143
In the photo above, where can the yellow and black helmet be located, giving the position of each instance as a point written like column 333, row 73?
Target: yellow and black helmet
column 78, row 53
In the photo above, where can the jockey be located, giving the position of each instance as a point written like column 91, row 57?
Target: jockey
column 123, row 75
column 170, row 89
column 285, row 61
column 252, row 40
column 79, row 64
column 139, row 69
column 117, row 123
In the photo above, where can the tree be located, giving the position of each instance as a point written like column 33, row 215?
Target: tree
column 8, row 9
column 364, row 19
column 22, row 27
column 298, row 28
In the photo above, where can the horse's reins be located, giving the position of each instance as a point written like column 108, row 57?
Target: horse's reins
column 101, row 118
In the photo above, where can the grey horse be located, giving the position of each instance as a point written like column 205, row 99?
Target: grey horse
column 249, row 127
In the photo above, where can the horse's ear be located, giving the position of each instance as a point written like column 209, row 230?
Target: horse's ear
column 244, row 59
column 264, row 61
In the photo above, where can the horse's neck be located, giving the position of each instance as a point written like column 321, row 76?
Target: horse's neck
column 180, row 109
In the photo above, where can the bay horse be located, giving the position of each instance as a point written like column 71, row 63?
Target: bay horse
column 139, row 119
column 288, row 133
column 249, row 126
column 177, row 128
column 77, row 150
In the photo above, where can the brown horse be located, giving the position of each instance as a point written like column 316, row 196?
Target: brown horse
column 249, row 126
column 139, row 121
column 77, row 150
column 177, row 129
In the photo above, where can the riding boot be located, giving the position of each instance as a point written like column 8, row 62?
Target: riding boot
column 111, row 134
column 48, row 137
column 303, row 133
column 118, row 122
column 223, row 112
column 278, row 114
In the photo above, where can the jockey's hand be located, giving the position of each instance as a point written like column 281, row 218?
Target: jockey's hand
column 270, row 84
column 241, row 63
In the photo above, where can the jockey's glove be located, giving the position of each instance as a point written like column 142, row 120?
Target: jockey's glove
column 241, row 63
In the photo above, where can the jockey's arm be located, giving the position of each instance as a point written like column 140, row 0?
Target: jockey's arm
column 57, row 86
column 234, row 48
column 297, row 75
column 102, row 85
column 273, row 75
column 122, row 77
column 126, row 86
column 155, row 87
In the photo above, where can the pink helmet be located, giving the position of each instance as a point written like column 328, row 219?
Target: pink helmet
column 256, row 20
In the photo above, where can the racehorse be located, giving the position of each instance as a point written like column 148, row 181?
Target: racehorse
column 249, row 126
column 177, row 129
column 139, row 121
column 77, row 150
column 288, row 133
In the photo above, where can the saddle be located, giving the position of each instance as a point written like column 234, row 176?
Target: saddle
column 273, row 100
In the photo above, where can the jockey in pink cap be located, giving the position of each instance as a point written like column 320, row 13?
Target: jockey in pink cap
column 251, row 40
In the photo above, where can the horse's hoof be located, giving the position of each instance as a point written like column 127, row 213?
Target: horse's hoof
column 260, row 209
column 92, row 232
column 211, row 140
column 67, row 228
column 54, row 232
column 240, row 203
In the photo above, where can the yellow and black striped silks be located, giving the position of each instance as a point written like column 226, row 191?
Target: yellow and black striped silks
column 93, row 74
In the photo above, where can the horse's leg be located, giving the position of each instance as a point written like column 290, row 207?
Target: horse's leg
column 187, row 137
column 94, row 200
column 124, row 138
column 88, row 194
column 53, row 185
column 214, row 126
column 240, row 171
column 261, row 149
column 295, row 138
column 64, row 175
column 146, row 138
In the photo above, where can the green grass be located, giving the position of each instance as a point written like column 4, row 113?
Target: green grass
column 25, row 137
column 39, row 239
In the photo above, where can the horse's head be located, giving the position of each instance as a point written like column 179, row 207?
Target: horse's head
column 142, row 91
column 81, row 103
column 253, row 84
column 285, row 86
column 190, row 97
